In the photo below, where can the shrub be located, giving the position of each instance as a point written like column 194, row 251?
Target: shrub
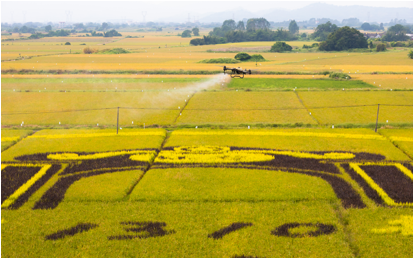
column 88, row 50
column 82, row 44
column 114, row 51
column 397, row 44
column 67, row 43
column 381, row 47
column 339, row 76
column 220, row 61
column 410, row 54
column 242, row 56
column 280, row 47
column 257, row 57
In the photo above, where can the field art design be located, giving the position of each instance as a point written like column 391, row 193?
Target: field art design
column 320, row 164
column 193, row 179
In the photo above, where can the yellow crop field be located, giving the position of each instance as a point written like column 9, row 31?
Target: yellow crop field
column 139, row 76
column 243, row 107
column 290, row 139
column 166, row 51
column 153, row 103
column 386, row 81
column 388, row 114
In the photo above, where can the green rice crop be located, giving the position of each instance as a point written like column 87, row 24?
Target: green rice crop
column 194, row 184
column 274, row 83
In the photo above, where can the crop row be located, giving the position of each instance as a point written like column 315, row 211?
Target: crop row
column 144, row 156
column 23, row 188
column 403, row 225
column 393, row 138
column 277, row 133
column 400, row 185
column 6, row 139
column 90, row 135
column 217, row 154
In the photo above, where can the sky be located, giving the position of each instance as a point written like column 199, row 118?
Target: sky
column 100, row 11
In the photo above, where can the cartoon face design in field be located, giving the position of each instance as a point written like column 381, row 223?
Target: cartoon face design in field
column 369, row 170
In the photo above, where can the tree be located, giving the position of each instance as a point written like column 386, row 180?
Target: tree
column 196, row 31
column 48, row 28
column 231, row 24
column 240, row 26
column 67, row 43
column 280, row 47
column 293, row 27
column 344, row 38
column 381, row 47
column 395, row 33
column 371, row 45
column 351, row 22
column 381, row 27
column 79, row 26
column 242, row 56
column 112, row 33
column 257, row 24
column 323, row 30
column 186, row 34
column 410, row 54
column 365, row 26
column 104, row 26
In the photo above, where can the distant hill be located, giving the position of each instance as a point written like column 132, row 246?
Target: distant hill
column 318, row 10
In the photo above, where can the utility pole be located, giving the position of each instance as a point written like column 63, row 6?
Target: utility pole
column 376, row 124
column 117, row 122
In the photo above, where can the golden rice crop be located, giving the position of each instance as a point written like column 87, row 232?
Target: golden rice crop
column 392, row 114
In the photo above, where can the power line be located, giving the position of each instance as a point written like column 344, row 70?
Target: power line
column 204, row 109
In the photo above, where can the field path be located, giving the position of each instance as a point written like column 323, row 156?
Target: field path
column 310, row 114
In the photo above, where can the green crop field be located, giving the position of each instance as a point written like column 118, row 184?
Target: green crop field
column 290, row 84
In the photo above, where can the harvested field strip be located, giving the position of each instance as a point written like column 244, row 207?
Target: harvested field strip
column 281, row 133
column 385, row 197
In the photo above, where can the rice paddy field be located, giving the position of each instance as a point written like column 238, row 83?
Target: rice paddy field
column 153, row 154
